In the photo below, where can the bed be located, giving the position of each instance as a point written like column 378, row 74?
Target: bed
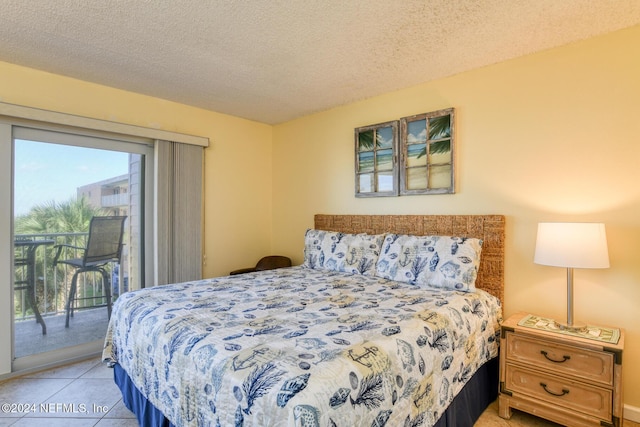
column 348, row 338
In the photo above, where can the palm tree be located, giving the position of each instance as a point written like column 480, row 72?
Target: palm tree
column 439, row 132
column 439, row 129
column 51, row 217
column 365, row 140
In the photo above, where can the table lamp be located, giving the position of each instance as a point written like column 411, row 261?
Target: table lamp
column 571, row 245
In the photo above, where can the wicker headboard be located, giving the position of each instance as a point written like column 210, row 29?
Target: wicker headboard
column 489, row 228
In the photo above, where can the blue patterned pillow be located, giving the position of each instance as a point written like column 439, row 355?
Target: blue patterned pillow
column 349, row 253
column 435, row 261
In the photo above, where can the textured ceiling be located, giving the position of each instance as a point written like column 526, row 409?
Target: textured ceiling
column 275, row 60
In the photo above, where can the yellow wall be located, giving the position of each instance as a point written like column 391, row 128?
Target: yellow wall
column 238, row 168
column 553, row 136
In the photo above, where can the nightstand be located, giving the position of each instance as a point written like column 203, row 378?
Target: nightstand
column 564, row 378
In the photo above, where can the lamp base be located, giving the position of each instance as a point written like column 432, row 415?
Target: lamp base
column 574, row 327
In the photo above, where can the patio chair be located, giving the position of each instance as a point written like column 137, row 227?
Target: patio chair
column 104, row 246
column 266, row 263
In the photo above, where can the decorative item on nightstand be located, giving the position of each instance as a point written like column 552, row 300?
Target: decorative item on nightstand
column 571, row 245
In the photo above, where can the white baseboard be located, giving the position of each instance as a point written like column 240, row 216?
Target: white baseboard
column 632, row 413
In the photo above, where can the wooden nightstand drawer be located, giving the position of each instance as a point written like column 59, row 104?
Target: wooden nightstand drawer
column 579, row 363
column 573, row 380
column 577, row 396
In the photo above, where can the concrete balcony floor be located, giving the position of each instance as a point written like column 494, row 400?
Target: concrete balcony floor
column 85, row 326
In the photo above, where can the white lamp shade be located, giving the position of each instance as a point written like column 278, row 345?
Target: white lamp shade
column 572, row 245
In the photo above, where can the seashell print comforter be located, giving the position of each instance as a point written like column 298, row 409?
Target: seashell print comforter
column 301, row 347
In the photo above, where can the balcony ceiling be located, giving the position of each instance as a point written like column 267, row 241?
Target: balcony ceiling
column 276, row 60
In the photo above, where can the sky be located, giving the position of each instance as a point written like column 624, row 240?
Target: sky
column 44, row 172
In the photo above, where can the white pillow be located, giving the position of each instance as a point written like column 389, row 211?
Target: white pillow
column 436, row 261
column 335, row 251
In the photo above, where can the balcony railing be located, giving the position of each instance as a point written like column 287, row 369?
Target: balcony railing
column 51, row 284
column 115, row 200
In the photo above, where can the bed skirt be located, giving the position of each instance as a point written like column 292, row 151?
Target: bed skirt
column 466, row 408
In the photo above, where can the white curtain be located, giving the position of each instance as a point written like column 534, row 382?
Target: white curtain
column 179, row 212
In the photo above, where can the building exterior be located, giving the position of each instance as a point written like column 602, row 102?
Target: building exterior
column 111, row 194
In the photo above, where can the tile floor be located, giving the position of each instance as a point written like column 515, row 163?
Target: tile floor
column 84, row 394
column 77, row 395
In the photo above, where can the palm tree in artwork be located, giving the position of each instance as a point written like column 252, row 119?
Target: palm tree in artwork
column 366, row 140
column 440, row 134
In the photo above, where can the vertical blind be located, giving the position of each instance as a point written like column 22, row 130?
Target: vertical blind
column 179, row 212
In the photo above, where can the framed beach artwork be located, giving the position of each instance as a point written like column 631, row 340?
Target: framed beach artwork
column 413, row 155
column 376, row 160
column 427, row 153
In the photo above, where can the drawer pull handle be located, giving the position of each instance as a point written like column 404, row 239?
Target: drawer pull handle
column 564, row 390
column 564, row 358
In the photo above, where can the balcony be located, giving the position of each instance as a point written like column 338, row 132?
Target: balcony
column 115, row 200
column 50, row 286
column 86, row 326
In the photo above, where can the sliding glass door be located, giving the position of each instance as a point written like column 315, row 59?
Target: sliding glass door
column 62, row 181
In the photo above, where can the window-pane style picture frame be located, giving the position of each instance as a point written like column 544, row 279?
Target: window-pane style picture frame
column 427, row 148
column 376, row 160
